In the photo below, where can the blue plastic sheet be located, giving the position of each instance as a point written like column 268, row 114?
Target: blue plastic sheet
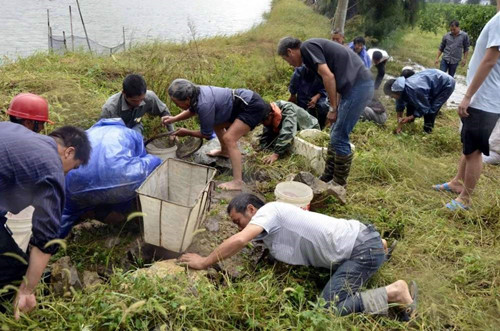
column 118, row 165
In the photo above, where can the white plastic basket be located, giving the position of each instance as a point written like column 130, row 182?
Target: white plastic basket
column 175, row 198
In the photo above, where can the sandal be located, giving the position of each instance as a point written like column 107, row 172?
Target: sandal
column 390, row 250
column 455, row 205
column 442, row 187
column 410, row 310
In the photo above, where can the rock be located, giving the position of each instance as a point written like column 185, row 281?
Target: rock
column 64, row 276
column 321, row 190
column 166, row 268
column 212, row 224
column 111, row 242
column 90, row 279
column 201, row 156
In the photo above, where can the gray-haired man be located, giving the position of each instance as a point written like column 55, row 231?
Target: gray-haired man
column 350, row 249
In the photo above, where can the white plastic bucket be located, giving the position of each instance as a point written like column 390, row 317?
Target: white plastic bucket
column 20, row 225
column 296, row 193
column 162, row 153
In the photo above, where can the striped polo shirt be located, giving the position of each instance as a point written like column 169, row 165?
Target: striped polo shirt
column 300, row 237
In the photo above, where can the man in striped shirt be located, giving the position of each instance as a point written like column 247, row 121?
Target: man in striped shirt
column 351, row 250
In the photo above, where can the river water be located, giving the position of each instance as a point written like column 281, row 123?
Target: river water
column 23, row 23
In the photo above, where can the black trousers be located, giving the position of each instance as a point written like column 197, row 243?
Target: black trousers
column 429, row 119
column 11, row 268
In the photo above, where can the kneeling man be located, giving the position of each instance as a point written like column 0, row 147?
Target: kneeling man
column 350, row 249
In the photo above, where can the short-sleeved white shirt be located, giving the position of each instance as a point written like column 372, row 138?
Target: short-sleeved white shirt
column 487, row 96
column 300, row 237
column 385, row 55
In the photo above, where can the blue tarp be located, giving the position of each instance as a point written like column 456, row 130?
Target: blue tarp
column 118, row 165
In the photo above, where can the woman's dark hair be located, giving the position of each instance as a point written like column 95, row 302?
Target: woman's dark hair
column 241, row 202
column 70, row 136
column 134, row 85
column 388, row 87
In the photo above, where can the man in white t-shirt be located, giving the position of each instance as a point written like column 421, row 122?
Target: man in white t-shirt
column 479, row 112
column 379, row 59
column 351, row 250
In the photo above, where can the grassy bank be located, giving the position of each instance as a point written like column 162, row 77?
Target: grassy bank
column 453, row 257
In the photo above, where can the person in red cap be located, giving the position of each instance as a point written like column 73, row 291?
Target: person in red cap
column 29, row 110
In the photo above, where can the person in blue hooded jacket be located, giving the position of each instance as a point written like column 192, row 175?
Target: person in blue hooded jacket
column 422, row 94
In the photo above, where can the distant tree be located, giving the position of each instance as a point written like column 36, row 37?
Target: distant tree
column 340, row 15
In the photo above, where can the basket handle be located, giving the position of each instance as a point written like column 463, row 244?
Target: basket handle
column 161, row 135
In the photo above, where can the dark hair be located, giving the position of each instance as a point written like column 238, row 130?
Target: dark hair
column 377, row 56
column 454, row 23
column 406, row 73
column 70, row 136
column 359, row 40
column 388, row 86
column 134, row 85
column 241, row 202
column 288, row 42
column 17, row 120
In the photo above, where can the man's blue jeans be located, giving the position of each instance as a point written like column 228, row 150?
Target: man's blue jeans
column 342, row 290
column 350, row 108
column 448, row 67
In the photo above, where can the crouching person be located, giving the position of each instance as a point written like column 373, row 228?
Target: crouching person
column 352, row 250
column 423, row 94
column 281, row 126
column 32, row 173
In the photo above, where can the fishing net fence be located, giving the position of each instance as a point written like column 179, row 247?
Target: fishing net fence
column 63, row 44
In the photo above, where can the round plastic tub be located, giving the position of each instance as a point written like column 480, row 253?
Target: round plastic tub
column 296, row 193
column 162, row 153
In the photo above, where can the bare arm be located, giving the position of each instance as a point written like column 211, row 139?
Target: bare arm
column 25, row 300
column 437, row 57
column 186, row 114
column 329, row 82
column 193, row 133
column 487, row 63
column 228, row 248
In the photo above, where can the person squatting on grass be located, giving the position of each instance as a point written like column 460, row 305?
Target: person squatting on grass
column 479, row 112
column 453, row 44
column 423, row 94
column 342, row 72
column 133, row 102
column 34, row 176
column 280, row 127
column 230, row 113
column 351, row 250
column 307, row 91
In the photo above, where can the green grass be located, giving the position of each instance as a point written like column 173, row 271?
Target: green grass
column 453, row 257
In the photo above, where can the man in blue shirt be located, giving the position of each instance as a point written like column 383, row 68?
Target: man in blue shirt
column 422, row 94
column 358, row 46
column 32, row 173
column 307, row 92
